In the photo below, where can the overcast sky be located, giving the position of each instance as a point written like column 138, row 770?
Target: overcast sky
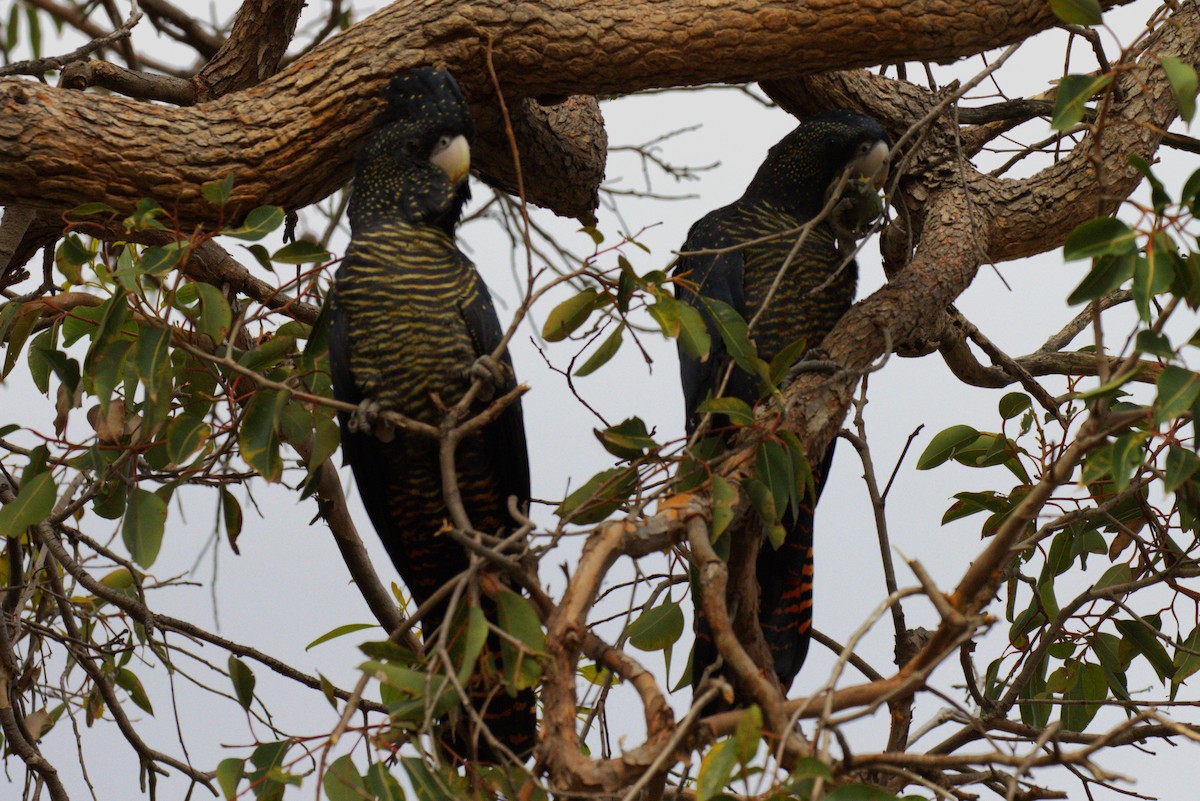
column 288, row 586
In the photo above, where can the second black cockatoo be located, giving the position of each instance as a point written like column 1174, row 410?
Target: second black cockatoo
column 800, row 175
column 412, row 324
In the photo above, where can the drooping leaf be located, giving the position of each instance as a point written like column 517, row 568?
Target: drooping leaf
column 1177, row 392
column 1074, row 92
column 1102, row 236
column 229, row 774
column 340, row 631
column 693, row 333
column 569, row 315
column 33, row 504
column 1182, row 77
column 1141, row 635
column 217, row 192
column 724, row 496
column 734, row 332
column 258, row 436
column 1077, row 12
column 658, row 628
column 142, row 529
column 945, row 444
column 601, row 355
column 735, row 409
column 342, row 782
column 1090, row 686
column 258, row 223
column 128, row 681
column 600, row 496
column 301, row 252
column 715, row 769
column 243, row 681
column 628, row 439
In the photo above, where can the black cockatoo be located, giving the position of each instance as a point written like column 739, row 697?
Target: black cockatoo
column 800, row 175
column 411, row 325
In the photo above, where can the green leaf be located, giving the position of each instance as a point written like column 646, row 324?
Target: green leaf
column 258, row 436
column 229, row 774
column 243, row 681
column 735, row 409
column 1152, row 275
column 88, row 209
column 1074, row 92
column 1014, row 404
column 599, row 497
column 342, row 782
column 1177, row 392
column 785, row 359
column 258, row 223
column 944, row 445
column 1091, row 685
column 1158, row 193
column 70, row 258
column 666, row 312
column 215, row 315
column 217, row 192
column 569, row 315
column 185, row 435
column 764, row 503
column 381, row 785
column 1154, row 344
column 1182, row 77
column 748, row 734
column 1187, row 660
column 1128, row 451
column 1141, row 636
column 724, row 496
column 1117, row 574
column 715, row 769
column 466, row 648
column 736, row 335
column 1077, row 12
column 1107, row 273
column 1102, row 236
column 594, row 233
column 145, row 216
column 628, row 439
column 693, row 333
column 161, row 259
column 154, row 360
column 1106, row 647
column 231, row 516
column 301, row 252
column 1038, row 714
column 340, row 631
column 142, row 529
column 601, row 355
column 658, row 628
column 33, row 504
column 773, row 467
column 1182, row 464
column 519, row 619
column 130, row 683
column 431, row 787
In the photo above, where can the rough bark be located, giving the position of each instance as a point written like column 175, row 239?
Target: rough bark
column 289, row 141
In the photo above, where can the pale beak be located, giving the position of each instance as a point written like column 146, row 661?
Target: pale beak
column 454, row 159
column 873, row 165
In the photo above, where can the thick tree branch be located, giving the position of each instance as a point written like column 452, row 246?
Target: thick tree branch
column 290, row 140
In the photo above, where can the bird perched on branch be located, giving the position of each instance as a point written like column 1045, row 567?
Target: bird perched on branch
column 831, row 163
column 412, row 327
